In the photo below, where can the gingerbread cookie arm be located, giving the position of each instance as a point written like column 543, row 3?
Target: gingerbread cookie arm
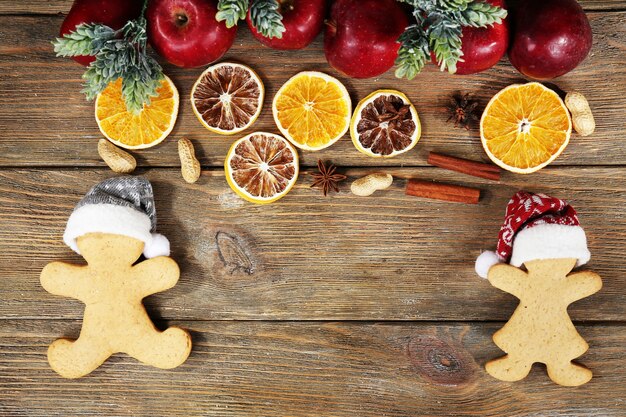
column 582, row 284
column 60, row 278
column 155, row 275
column 508, row 278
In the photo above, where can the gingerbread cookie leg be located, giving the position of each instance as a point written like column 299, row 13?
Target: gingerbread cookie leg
column 568, row 374
column 164, row 350
column 73, row 359
column 508, row 368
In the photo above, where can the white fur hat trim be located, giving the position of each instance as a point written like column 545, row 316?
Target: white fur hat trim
column 550, row 241
column 114, row 219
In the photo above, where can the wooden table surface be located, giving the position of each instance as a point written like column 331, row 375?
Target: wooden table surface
column 339, row 306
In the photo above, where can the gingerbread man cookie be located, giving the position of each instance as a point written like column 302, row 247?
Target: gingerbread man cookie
column 540, row 330
column 543, row 234
column 111, row 228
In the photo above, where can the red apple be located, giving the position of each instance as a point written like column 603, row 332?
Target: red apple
column 302, row 19
column 185, row 32
column 361, row 38
column 483, row 47
column 113, row 13
column 551, row 38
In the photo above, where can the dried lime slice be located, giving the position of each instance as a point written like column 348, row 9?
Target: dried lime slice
column 385, row 124
column 227, row 98
column 261, row 167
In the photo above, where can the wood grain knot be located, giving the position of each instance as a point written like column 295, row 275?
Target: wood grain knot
column 232, row 254
column 444, row 361
column 441, row 362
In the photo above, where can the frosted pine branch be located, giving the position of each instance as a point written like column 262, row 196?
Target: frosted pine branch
column 231, row 11
column 266, row 19
column 438, row 29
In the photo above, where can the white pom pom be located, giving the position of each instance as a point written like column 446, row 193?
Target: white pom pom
column 484, row 262
column 158, row 246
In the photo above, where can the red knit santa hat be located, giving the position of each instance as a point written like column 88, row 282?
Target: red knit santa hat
column 536, row 226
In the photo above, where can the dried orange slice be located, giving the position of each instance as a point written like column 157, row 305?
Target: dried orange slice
column 385, row 124
column 261, row 167
column 139, row 130
column 525, row 127
column 227, row 97
column 312, row 110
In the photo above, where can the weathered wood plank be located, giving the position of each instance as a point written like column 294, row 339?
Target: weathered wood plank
column 45, row 121
column 309, row 369
column 62, row 6
column 386, row 257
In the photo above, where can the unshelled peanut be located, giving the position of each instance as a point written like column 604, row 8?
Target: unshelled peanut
column 582, row 118
column 189, row 164
column 368, row 184
column 118, row 160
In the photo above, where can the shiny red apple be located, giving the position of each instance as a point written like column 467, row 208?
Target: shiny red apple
column 113, row 13
column 551, row 38
column 185, row 32
column 361, row 38
column 302, row 19
column 483, row 47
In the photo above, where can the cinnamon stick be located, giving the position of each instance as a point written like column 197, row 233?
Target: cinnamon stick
column 440, row 191
column 465, row 166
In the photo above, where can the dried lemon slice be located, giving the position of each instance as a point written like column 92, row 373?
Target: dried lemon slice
column 312, row 110
column 227, row 97
column 144, row 129
column 261, row 167
column 525, row 127
column 385, row 124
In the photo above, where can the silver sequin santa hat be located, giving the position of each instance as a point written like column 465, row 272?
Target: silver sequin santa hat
column 121, row 206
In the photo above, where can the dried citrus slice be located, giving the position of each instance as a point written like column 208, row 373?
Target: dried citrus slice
column 385, row 124
column 525, row 127
column 227, row 98
column 261, row 167
column 312, row 110
column 139, row 130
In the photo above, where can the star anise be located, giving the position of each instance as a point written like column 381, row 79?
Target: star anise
column 326, row 179
column 462, row 110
